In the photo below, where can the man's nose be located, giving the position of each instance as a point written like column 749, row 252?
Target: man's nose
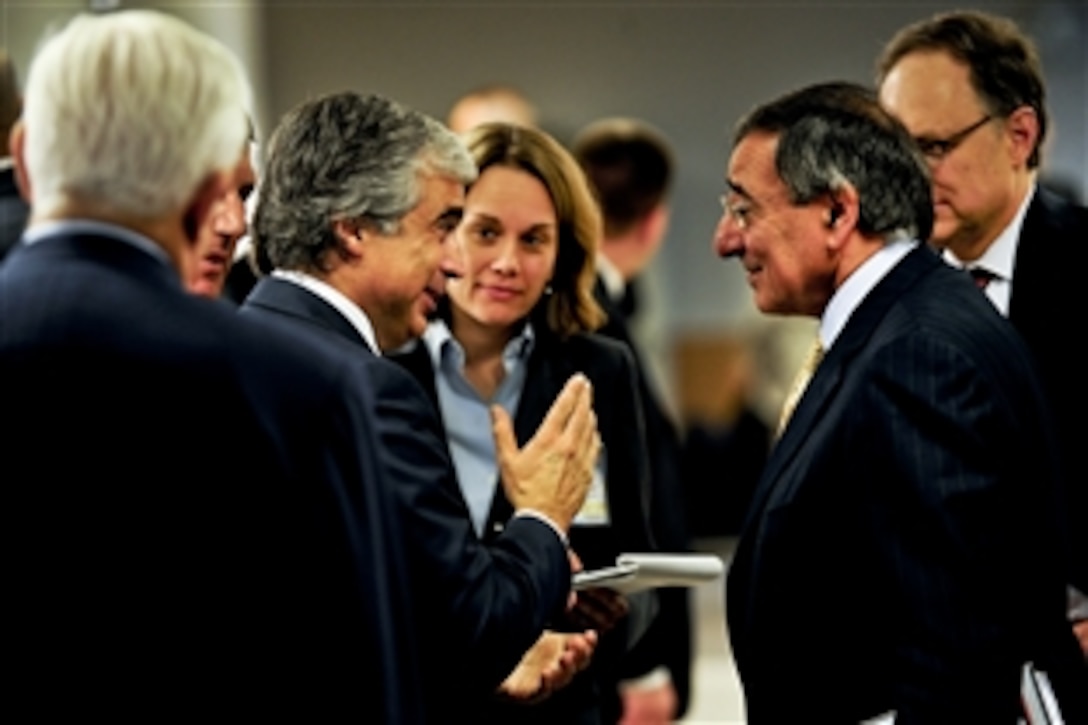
column 453, row 257
column 727, row 237
column 230, row 219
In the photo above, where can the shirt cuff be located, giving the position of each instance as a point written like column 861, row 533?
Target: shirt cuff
column 533, row 513
column 656, row 678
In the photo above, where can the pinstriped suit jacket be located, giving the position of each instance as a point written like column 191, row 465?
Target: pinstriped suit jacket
column 902, row 551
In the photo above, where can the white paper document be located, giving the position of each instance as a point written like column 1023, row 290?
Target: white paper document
column 635, row 572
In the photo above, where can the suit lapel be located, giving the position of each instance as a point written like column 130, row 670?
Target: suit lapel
column 773, row 485
column 287, row 298
column 1037, row 280
column 417, row 361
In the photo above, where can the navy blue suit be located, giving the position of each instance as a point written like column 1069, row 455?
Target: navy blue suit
column 197, row 521
column 902, row 551
column 478, row 607
column 1045, row 290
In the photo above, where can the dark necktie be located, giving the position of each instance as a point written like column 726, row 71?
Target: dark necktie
column 981, row 277
column 628, row 304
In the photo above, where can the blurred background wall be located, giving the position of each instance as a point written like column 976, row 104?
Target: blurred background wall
column 690, row 68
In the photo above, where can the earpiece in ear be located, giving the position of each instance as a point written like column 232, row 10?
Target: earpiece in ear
column 833, row 215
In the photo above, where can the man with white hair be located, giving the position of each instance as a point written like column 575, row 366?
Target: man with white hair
column 199, row 521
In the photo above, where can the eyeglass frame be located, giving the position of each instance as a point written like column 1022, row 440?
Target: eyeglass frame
column 936, row 149
column 740, row 211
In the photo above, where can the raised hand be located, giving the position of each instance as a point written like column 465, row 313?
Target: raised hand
column 552, row 472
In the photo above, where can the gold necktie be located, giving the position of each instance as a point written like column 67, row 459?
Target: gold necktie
column 800, row 382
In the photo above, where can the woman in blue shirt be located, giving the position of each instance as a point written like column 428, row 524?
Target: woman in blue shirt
column 514, row 328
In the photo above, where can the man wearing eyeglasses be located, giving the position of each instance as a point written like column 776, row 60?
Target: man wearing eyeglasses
column 903, row 529
column 969, row 87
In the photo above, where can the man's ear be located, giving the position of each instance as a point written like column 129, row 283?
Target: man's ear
column 842, row 212
column 1022, row 128
column 654, row 226
column 203, row 202
column 17, row 147
column 350, row 236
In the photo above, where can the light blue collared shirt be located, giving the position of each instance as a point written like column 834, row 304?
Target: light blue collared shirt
column 858, row 285
column 466, row 415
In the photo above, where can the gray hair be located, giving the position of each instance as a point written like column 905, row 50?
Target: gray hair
column 131, row 110
column 347, row 156
column 834, row 134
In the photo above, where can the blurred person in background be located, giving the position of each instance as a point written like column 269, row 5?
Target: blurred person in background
column 630, row 166
column 489, row 103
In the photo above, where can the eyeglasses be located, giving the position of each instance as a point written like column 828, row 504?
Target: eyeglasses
column 739, row 210
column 936, row 149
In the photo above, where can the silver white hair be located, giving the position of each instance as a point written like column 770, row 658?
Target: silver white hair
column 131, row 110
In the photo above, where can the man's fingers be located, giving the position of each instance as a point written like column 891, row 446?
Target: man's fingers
column 573, row 398
column 582, row 420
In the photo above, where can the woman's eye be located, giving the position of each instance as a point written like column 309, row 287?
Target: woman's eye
column 486, row 234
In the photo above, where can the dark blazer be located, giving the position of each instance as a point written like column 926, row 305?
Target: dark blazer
column 610, row 369
column 13, row 212
column 901, row 552
column 196, row 519
column 668, row 642
column 1045, row 295
column 478, row 607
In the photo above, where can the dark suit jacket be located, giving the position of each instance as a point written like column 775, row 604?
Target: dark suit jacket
column 901, row 550
column 196, row 518
column 478, row 607
column 610, row 369
column 668, row 641
column 13, row 212
column 1045, row 297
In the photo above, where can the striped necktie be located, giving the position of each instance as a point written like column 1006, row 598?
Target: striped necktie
column 800, row 382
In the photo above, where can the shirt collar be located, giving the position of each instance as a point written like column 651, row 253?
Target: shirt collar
column 440, row 344
column 43, row 231
column 855, row 288
column 611, row 277
column 351, row 311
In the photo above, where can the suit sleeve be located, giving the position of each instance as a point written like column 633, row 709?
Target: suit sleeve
column 364, row 509
column 484, row 604
column 959, row 526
